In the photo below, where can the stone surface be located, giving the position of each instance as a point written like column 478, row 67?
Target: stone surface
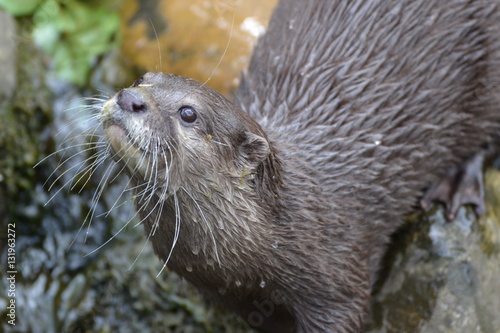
column 210, row 41
column 7, row 88
column 443, row 276
column 8, row 45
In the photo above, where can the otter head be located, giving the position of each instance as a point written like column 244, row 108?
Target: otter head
column 169, row 130
column 196, row 158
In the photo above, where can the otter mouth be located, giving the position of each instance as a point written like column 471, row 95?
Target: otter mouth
column 115, row 130
column 117, row 135
column 119, row 138
column 124, row 149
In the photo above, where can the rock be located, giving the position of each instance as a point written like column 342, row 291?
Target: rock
column 8, row 43
column 207, row 40
column 443, row 276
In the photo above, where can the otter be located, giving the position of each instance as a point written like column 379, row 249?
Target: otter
column 352, row 113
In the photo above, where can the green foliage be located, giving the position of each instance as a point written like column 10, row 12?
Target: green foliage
column 71, row 32
column 19, row 7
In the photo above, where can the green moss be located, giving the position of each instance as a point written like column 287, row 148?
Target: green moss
column 490, row 224
column 19, row 7
column 73, row 33
column 23, row 120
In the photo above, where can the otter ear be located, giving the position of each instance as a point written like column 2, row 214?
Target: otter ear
column 253, row 150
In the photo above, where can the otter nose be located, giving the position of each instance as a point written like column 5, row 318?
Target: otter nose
column 130, row 102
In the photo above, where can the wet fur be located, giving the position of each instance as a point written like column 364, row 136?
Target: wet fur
column 359, row 107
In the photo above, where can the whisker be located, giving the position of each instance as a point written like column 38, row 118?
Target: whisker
column 151, row 212
column 66, row 148
column 206, row 222
column 155, row 166
column 167, row 168
column 90, row 213
column 153, row 229
column 65, row 184
column 110, row 239
column 176, row 233
column 97, row 195
column 225, row 50
column 125, row 189
column 99, row 160
column 77, row 118
column 220, row 143
column 157, row 42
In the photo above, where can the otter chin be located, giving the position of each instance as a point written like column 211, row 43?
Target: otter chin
column 280, row 205
column 124, row 148
column 117, row 138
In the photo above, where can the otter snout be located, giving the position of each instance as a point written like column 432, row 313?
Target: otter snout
column 131, row 101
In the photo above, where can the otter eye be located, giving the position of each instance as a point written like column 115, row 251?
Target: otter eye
column 138, row 81
column 188, row 114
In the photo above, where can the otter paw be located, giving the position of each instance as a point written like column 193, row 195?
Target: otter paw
column 463, row 185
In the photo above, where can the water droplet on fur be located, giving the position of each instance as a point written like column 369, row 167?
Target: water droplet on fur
column 252, row 26
column 195, row 250
column 238, row 283
column 189, row 268
column 275, row 245
column 377, row 142
column 221, row 225
column 262, row 284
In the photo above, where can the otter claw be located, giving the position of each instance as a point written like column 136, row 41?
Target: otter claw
column 463, row 185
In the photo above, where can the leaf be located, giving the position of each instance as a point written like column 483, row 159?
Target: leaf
column 19, row 7
column 74, row 35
